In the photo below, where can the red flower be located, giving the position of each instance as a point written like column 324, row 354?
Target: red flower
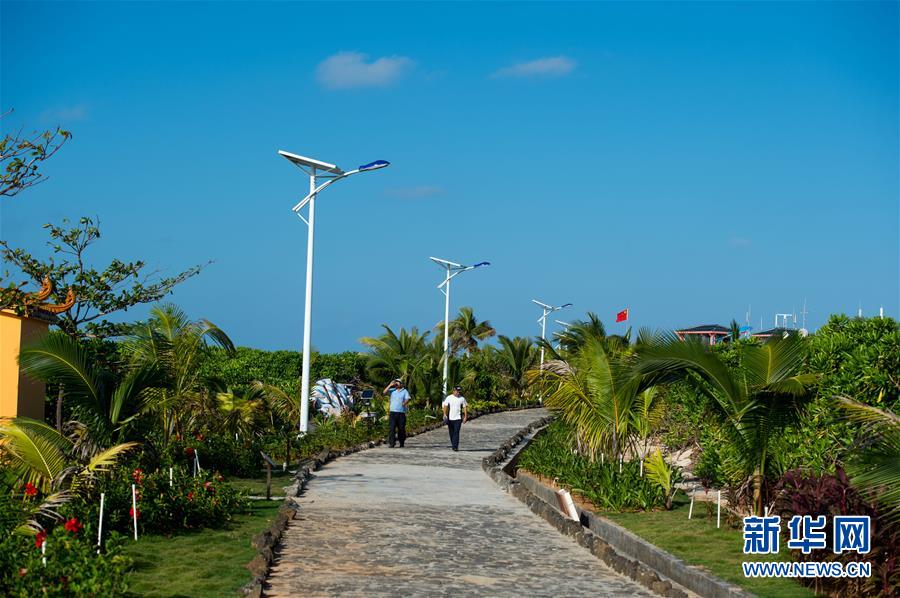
column 133, row 515
column 191, row 496
column 199, row 437
column 209, row 487
column 30, row 490
column 73, row 525
column 138, row 476
column 189, row 452
column 39, row 538
column 23, row 571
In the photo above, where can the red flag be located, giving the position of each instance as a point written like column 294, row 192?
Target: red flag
column 622, row 315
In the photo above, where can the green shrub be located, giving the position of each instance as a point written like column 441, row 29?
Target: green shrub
column 551, row 455
column 858, row 358
column 73, row 566
column 279, row 368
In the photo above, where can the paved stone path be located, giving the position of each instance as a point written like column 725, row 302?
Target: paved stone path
column 425, row 521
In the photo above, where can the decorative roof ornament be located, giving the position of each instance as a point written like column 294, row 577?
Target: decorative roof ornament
column 27, row 303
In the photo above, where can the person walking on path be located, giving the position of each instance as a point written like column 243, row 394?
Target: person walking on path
column 397, row 415
column 456, row 412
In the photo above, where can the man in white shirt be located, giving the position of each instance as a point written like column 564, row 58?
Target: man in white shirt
column 456, row 412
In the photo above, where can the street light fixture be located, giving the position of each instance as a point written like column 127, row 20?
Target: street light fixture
column 547, row 310
column 452, row 270
column 567, row 325
column 316, row 170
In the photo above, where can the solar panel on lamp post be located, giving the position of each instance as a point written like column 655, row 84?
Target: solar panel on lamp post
column 547, row 310
column 316, row 170
column 452, row 270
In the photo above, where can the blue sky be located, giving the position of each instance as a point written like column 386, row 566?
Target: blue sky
column 684, row 160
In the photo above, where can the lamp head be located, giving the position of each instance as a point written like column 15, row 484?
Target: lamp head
column 374, row 165
column 480, row 264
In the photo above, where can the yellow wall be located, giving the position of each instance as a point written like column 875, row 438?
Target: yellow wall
column 20, row 396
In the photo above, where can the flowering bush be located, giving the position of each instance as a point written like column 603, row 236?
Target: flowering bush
column 215, row 452
column 190, row 502
column 73, row 566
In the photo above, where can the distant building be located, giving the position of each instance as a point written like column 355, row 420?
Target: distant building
column 778, row 332
column 710, row 333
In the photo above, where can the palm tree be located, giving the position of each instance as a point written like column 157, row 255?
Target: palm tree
column 877, row 468
column 176, row 346
column 596, row 392
column 240, row 411
column 580, row 332
column 517, row 356
column 466, row 331
column 409, row 356
column 102, row 405
column 282, row 409
column 754, row 402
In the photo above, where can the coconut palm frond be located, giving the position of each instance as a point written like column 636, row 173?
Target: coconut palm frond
column 35, row 450
column 59, row 358
column 662, row 474
column 877, row 468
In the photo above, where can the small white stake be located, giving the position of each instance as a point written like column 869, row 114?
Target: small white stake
column 642, row 468
column 134, row 513
column 718, row 508
column 44, row 552
column 196, row 463
column 691, row 508
column 621, row 459
column 170, row 477
column 100, row 525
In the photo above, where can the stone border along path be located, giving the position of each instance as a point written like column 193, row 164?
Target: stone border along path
column 425, row 521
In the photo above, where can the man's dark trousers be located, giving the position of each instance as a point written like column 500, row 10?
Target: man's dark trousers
column 454, row 425
column 396, row 423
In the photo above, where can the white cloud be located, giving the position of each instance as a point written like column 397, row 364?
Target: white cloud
column 348, row 70
column 65, row 114
column 551, row 66
column 416, row 192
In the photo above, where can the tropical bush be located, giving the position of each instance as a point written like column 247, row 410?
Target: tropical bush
column 245, row 366
column 73, row 567
column 613, row 485
column 206, row 500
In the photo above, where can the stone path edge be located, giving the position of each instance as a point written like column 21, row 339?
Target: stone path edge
column 266, row 542
column 596, row 533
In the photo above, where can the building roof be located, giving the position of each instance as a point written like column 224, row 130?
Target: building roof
column 779, row 331
column 705, row 329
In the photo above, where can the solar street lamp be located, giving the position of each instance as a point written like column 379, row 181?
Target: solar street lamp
column 328, row 173
column 546, row 311
column 567, row 326
column 451, row 269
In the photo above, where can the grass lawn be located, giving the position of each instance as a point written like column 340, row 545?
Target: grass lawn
column 256, row 486
column 698, row 542
column 208, row 562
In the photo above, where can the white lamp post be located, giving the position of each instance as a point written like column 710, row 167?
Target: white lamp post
column 567, row 326
column 547, row 310
column 316, row 170
column 452, row 269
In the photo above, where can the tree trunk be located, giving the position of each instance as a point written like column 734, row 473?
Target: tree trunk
column 287, row 449
column 757, row 492
column 59, row 405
